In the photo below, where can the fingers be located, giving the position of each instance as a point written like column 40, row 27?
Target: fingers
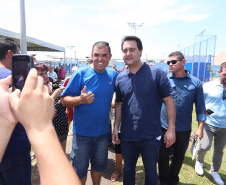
column 115, row 138
column 84, row 89
column 45, row 91
column 31, row 80
column 165, row 138
column 169, row 143
column 169, row 140
column 196, row 136
column 88, row 98
column 62, row 88
column 59, row 91
column 14, row 99
column 40, row 84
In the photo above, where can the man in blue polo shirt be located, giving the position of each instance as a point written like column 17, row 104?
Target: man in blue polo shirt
column 15, row 167
column 215, row 125
column 90, row 92
column 139, row 94
column 187, row 91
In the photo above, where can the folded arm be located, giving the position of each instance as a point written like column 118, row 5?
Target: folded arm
column 34, row 108
column 7, row 118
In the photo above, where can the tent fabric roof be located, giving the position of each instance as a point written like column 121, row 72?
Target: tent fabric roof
column 32, row 43
column 220, row 58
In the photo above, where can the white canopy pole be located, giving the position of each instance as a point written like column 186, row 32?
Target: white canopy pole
column 23, row 37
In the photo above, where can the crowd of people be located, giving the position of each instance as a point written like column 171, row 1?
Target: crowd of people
column 153, row 116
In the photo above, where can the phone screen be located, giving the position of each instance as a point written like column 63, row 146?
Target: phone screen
column 21, row 65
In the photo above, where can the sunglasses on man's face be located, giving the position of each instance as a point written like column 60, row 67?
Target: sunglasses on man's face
column 224, row 95
column 172, row 62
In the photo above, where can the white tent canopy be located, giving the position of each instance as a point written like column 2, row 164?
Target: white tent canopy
column 43, row 58
column 32, row 43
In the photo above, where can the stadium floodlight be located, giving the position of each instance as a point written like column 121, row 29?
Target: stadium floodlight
column 135, row 26
column 202, row 32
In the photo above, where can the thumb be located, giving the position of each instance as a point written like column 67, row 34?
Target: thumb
column 116, row 138
column 84, row 89
column 6, row 82
column 196, row 137
column 165, row 138
column 14, row 98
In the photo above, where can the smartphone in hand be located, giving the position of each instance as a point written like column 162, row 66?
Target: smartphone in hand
column 21, row 65
column 208, row 111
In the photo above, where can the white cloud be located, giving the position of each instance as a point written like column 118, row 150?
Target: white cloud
column 193, row 18
column 81, row 23
column 151, row 12
column 111, row 5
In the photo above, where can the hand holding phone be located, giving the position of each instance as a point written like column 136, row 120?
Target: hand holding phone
column 21, row 65
column 208, row 111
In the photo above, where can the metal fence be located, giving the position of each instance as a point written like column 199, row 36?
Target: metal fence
column 200, row 55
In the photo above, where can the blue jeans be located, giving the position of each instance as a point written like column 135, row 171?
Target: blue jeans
column 93, row 148
column 16, row 169
column 149, row 150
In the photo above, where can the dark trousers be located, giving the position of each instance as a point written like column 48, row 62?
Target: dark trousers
column 170, row 173
column 16, row 168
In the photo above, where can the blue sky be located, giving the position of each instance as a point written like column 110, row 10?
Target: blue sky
column 167, row 23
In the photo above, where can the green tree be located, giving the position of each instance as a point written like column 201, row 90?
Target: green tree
column 211, row 71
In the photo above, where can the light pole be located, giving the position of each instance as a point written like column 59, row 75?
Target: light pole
column 70, row 48
column 178, row 47
column 135, row 26
column 23, row 36
column 201, row 34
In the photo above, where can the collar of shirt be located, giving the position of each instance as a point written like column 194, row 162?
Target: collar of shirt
column 171, row 75
column 142, row 67
column 217, row 83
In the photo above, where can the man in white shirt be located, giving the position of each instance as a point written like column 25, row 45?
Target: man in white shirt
column 52, row 74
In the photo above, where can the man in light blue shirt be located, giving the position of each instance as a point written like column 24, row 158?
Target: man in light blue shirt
column 52, row 74
column 215, row 125
column 187, row 91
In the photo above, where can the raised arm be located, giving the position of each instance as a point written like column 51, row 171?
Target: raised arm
column 57, row 93
column 7, row 119
column 34, row 108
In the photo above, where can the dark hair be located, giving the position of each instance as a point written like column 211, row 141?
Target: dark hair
column 40, row 67
column 5, row 45
column 223, row 65
column 101, row 44
column 89, row 61
column 179, row 55
column 132, row 38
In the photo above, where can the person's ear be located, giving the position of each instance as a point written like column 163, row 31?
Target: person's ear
column 141, row 52
column 9, row 54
